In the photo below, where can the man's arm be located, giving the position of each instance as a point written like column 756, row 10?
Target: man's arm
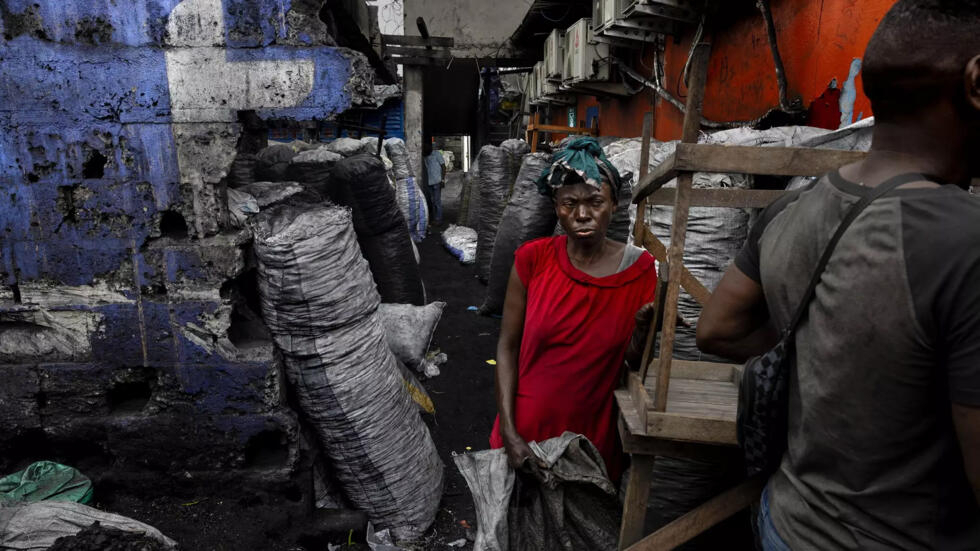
column 735, row 322
column 966, row 419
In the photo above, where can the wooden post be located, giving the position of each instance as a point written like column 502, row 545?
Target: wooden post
column 678, row 230
column 534, row 130
column 635, row 504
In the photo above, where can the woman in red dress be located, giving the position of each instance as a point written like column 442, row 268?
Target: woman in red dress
column 577, row 305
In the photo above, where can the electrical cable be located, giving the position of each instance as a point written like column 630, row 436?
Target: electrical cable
column 626, row 70
column 784, row 103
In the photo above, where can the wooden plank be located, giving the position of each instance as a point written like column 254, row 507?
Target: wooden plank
column 563, row 129
column 635, row 503
column 703, row 371
column 434, row 41
column 689, row 428
column 640, row 444
column 690, row 283
column 703, row 517
column 405, row 60
column 647, row 136
column 639, row 396
column 534, row 131
column 719, row 197
column 418, row 52
column 678, row 230
column 774, row 161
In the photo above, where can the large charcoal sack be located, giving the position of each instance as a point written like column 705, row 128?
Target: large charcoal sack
column 528, row 215
column 401, row 165
column 392, row 260
column 469, row 201
column 312, row 169
column 272, row 163
column 495, row 184
column 348, row 147
column 411, row 201
column 319, row 300
column 361, row 183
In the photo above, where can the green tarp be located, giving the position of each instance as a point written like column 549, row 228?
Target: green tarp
column 46, row 481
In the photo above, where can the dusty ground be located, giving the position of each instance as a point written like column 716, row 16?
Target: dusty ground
column 463, row 392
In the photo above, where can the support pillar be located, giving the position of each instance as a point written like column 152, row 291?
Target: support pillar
column 413, row 118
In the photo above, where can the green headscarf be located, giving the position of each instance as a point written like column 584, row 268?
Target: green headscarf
column 584, row 157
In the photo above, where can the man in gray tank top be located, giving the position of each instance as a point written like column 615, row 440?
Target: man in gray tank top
column 884, row 404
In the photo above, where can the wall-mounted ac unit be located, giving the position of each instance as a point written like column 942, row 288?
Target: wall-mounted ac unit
column 545, row 86
column 531, row 87
column 606, row 12
column 554, row 59
column 585, row 59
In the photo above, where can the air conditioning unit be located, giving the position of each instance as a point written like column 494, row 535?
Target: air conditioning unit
column 531, row 87
column 545, row 86
column 585, row 59
column 606, row 12
column 554, row 58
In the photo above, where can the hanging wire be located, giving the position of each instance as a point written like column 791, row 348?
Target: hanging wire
column 626, row 70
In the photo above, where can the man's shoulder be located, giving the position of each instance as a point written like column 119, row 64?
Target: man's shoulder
column 946, row 219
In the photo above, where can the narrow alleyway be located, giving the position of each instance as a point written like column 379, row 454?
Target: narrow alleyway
column 463, row 392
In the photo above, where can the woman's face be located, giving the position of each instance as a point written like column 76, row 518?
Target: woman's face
column 584, row 211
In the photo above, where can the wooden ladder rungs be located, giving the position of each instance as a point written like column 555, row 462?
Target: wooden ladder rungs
column 775, row 161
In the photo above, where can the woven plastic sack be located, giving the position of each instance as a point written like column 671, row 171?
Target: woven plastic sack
column 348, row 147
column 528, row 215
column 414, row 209
column 272, row 162
column 409, row 329
column 37, row 526
column 361, row 182
column 461, row 242
column 495, row 185
column 572, row 505
column 319, row 300
column 402, row 167
column 268, row 193
column 469, row 200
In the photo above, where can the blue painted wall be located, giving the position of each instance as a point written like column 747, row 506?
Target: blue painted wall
column 88, row 164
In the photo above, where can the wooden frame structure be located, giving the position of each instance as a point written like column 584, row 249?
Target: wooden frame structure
column 683, row 408
column 534, row 128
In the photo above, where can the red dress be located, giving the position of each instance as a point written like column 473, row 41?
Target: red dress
column 576, row 331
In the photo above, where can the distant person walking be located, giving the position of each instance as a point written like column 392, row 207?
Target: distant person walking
column 435, row 168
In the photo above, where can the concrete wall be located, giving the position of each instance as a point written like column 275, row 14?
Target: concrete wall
column 120, row 279
column 479, row 27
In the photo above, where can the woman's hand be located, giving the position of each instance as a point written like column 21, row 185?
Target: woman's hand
column 644, row 317
column 518, row 452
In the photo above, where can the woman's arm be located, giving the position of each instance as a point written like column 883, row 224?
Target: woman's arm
column 508, row 350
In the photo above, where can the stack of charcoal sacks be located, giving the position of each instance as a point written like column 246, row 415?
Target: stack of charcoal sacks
column 528, row 215
column 361, row 183
column 408, row 191
column 320, row 302
column 498, row 171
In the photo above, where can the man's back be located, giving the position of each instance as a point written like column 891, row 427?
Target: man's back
column 891, row 336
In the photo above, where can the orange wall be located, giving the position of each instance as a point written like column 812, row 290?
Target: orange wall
column 818, row 40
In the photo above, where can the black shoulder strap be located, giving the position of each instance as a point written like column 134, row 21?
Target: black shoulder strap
column 853, row 213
